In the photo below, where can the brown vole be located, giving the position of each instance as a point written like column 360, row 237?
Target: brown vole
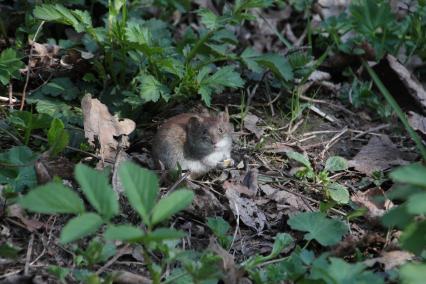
column 197, row 142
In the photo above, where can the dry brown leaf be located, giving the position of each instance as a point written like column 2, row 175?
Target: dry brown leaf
column 374, row 200
column 47, row 167
column 250, row 123
column 391, row 259
column 122, row 156
column 244, row 208
column 44, row 55
column 378, row 155
column 126, row 277
column 330, row 8
column 417, row 122
column 16, row 211
column 232, row 274
column 284, row 199
column 102, row 127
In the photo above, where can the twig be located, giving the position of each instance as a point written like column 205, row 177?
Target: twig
column 333, row 141
column 27, row 79
column 179, row 181
column 121, row 252
column 377, row 128
column 11, row 96
column 28, row 257
column 321, row 113
column 236, row 227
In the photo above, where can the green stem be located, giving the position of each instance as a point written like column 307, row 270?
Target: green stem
column 197, row 46
column 154, row 275
column 391, row 101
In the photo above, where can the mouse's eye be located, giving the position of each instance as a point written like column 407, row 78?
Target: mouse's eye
column 204, row 132
column 220, row 130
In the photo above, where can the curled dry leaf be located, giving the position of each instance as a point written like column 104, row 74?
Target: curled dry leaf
column 101, row 126
column 374, row 200
column 242, row 207
column 16, row 211
column 391, row 259
column 378, row 155
column 250, row 123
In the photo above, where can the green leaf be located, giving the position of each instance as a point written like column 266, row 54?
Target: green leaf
column 338, row 193
column 8, row 251
column 171, row 204
column 299, row 158
column 413, row 237
column 17, row 168
column 138, row 34
column 62, row 86
column 52, row 198
column 80, row 226
column 324, row 230
column 9, row 65
column 57, row 136
column 28, row 120
column 249, row 57
column 97, row 190
column 335, row 164
column 416, row 203
column 79, row 20
column 413, row 273
column 123, row 233
column 226, row 77
column 412, row 174
column 151, row 89
column 141, row 187
column 282, row 240
column 163, row 234
column 218, row 225
column 397, row 216
column 278, row 65
column 209, row 19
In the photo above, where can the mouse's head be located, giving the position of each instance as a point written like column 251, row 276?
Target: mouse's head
column 209, row 134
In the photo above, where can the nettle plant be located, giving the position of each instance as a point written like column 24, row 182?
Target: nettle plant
column 334, row 191
column 160, row 68
column 142, row 191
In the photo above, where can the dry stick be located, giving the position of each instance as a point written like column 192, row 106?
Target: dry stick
column 333, row 141
column 308, row 99
column 28, row 257
column 377, row 128
column 179, row 181
column 121, row 252
column 27, row 79
column 237, row 227
column 10, row 96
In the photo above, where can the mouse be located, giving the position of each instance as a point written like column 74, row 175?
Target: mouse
column 198, row 142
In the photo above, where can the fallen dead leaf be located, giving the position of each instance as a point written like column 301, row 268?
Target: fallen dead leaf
column 378, row 155
column 250, row 123
column 126, row 277
column 122, row 156
column 47, row 167
column 391, row 259
column 232, row 274
column 244, row 208
column 102, row 127
column 44, row 55
column 374, row 199
column 16, row 211
column 417, row 122
column 284, row 199
column 330, row 8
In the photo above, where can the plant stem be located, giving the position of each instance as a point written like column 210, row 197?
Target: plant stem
column 197, row 46
column 154, row 275
column 401, row 115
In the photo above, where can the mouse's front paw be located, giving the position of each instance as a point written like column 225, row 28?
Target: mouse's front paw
column 226, row 163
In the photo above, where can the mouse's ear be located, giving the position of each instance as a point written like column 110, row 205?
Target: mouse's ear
column 223, row 116
column 193, row 123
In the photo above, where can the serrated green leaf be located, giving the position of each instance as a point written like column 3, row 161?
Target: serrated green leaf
column 338, row 193
column 138, row 34
column 171, row 204
column 57, row 136
column 80, row 226
column 299, row 158
column 282, row 240
column 413, row 273
column 62, row 86
column 8, row 251
column 97, row 190
column 9, row 65
column 335, row 164
column 226, row 77
column 52, row 198
column 413, row 238
column 123, row 233
column 141, row 187
column 151, row 89
column 320, row 228
column 416, row 203
column 414, row 174
column 163, row 234
column 209, row 19
column 249, row 57
column 278, row 65
column 17, row 168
